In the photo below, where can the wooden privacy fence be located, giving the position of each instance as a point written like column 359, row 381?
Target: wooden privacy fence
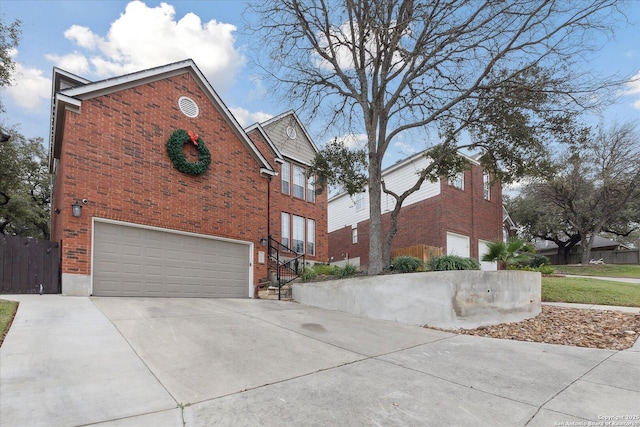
column 608, row 257
column 25, row 263
column 423, row 252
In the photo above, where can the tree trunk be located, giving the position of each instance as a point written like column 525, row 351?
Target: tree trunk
column 586, row 248
column 393, row 229
column 376, row 264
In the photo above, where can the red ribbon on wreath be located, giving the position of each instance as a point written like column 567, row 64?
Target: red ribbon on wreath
column 193, row 137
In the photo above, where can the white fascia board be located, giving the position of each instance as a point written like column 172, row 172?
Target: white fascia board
column 259, row 128
column 128, row 80
column 302, row 162
column 60, row 104
column 265, row 171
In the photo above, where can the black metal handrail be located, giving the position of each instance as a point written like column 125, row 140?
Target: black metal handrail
column 287, row 270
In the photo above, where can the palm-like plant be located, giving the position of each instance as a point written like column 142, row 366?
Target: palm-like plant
column 506, row 253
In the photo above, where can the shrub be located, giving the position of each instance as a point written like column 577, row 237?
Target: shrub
column 519, row 267
column 347, row 270
column 325, row 269
column 406, row 264
column 512, row 252
column 453, row 262
column 545, row 269
column 538, row 260
column 308, row 275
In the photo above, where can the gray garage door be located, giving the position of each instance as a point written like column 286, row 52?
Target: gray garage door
column 132, row 261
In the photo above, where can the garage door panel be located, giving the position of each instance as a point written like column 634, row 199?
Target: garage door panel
column 458, row 244
column 132, row 261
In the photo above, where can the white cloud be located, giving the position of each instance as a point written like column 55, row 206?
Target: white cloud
column 144, row 37
column 74, row 62
column 633, row 88
column 29, row 86
column 404, row 148
column 353, row 140
column 247, row 118
column 83, row 37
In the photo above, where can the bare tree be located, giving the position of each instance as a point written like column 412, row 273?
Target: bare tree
column 487, row 75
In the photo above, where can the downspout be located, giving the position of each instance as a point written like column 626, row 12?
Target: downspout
column 269, row 207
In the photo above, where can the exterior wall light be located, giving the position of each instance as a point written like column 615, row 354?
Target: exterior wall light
column 76, row 209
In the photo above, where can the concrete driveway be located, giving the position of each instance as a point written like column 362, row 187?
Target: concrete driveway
column 73, row 361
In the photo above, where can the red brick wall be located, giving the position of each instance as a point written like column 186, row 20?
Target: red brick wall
column 467, row 212
column 310, row 210
column 114, row 155
column 279, row 203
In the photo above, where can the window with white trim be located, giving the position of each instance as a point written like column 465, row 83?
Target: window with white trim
column 457, row 181
column 285, row 176
column 298, row 181
column 311, row 189
column 298, row 234
column 359, row 202
column 286, row 226
column 311, row 237
column 354, row 235
column 486, row 185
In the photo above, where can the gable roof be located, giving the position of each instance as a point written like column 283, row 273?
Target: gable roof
column 69, row 91
column 258, row 128
column 275, row 128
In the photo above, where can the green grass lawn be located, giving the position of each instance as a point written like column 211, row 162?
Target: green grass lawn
column 606, row 270
column 7, row 312
column 590, row 291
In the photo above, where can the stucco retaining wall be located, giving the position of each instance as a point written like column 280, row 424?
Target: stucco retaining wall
column 448, row 299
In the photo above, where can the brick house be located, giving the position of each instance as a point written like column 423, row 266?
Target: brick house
column 297, row 216
column 128, row 221
column 459, row 215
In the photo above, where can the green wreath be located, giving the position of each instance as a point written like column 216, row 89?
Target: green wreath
column 174, row 149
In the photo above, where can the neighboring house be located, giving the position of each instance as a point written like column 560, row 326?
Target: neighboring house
column 459, row 215
column 508, row 226
column 128, row 221
column 550, row 249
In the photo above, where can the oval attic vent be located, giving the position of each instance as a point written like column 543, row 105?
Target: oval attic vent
column 188, row 107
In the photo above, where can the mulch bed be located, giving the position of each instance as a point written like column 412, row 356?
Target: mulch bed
column 605, row 329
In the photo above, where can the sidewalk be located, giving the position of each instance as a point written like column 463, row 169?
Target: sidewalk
column 634, row 310
column 612, row 279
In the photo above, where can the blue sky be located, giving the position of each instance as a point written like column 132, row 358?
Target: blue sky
column 101, row 39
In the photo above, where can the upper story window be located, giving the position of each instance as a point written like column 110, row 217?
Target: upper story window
column 486, row 185
column 457, row 181
column 285, row 176
column 359, row 201
column 311, row 189
column 298, row 181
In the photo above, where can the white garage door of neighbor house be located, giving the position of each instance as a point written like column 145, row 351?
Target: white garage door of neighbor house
column 134, row 261
column 457, row 244
column 483, row 248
